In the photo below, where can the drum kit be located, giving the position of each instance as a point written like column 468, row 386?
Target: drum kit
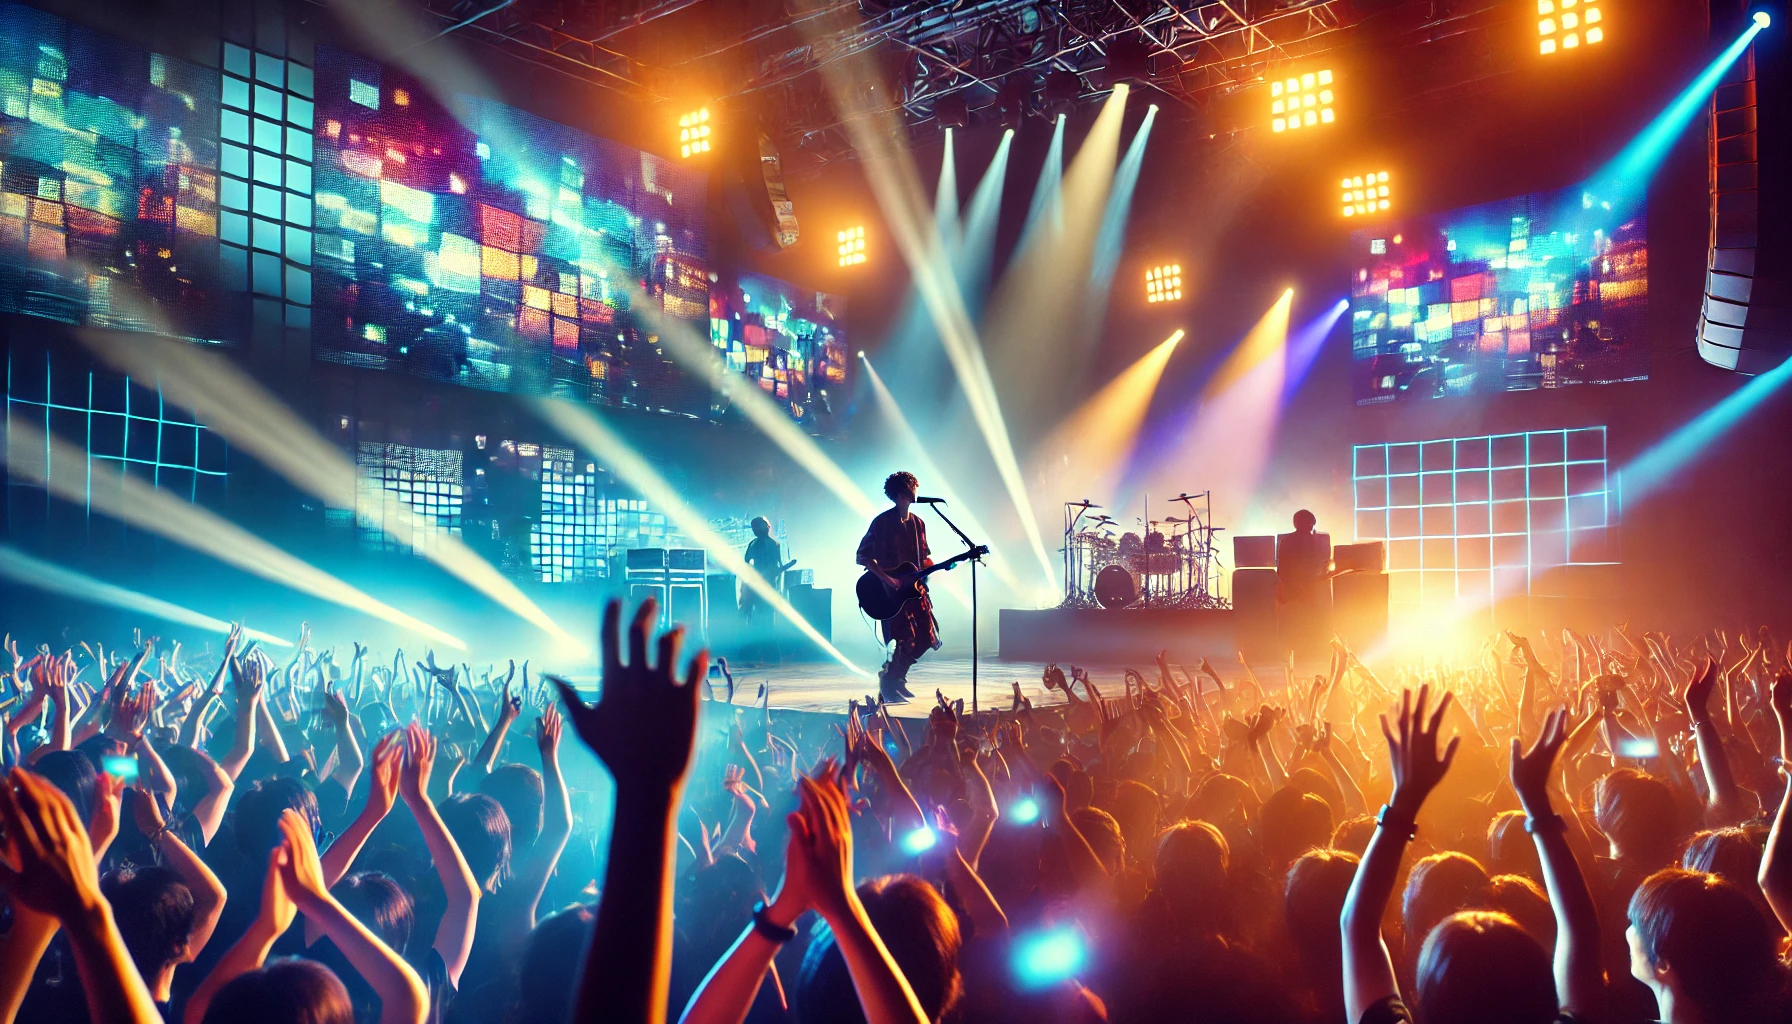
column 1168, row 563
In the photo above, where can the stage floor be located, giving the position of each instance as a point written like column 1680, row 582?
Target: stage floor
column 826, row 686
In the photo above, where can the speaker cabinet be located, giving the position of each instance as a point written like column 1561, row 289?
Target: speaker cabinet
column 1254, row 612
column 1360, row 609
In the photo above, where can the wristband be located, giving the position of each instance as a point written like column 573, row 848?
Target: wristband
column 1545, row 825
column 768, row 930
column 1393, row 821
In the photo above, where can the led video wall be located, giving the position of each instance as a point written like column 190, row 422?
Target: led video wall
column 1472, row 520
column 789, row 341
column 1539, row 291
column 108, row 182
column 487, row 247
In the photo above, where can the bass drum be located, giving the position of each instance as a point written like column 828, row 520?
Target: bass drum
column 1115, row 587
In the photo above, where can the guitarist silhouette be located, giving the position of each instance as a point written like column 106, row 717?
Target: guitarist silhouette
column 766, row 556
column 895, row 542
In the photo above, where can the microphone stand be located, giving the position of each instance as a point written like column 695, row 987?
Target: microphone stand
column 969, row 546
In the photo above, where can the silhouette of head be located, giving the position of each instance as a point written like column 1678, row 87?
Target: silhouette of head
column 1304, row 521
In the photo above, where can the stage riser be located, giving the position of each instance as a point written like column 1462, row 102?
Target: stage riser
column 1101, row 636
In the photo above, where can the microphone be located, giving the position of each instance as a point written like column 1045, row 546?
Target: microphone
column 929, row 501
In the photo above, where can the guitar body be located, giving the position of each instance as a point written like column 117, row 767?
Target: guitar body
column 879, row 600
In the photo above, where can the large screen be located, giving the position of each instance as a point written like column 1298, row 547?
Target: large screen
column 789, row 341
column 1538, row 291
column 491, row 248
column 108, row 181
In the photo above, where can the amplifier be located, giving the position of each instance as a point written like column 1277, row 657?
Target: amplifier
column 1253, row 552
column 799, row 578
column 685, row 560
column 1369, row 556
column 646, row 558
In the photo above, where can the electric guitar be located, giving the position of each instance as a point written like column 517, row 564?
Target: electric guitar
column 880, row 600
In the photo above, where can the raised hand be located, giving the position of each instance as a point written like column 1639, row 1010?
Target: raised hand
column 144, row 812
column 1697, row 693
column 46, row 859
column 301, row 875
column 821, row 840
column 383, row 780
column 419, row 758
column 547, row 733
column 1413, row 749
column 1531, row 771
column 644, row 724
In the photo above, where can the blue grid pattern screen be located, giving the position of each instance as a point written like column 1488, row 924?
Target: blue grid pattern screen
column 1469, row 520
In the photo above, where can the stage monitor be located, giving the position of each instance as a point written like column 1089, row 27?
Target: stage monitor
column 108, row 182
column 788, row 340
column 1543, row 290
column 466, row 241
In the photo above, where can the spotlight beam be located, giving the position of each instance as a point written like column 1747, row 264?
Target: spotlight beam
column 1628, row 173
column 22, row 568
column 1111, row 238
column 235, row 405
column 1047, row 206
column 1653, row 468
column 582, row 425
column 65, row 471
column 891, row 172
column 1087, row 451
column 887, row 404
column 695, row 352
column 945, row 196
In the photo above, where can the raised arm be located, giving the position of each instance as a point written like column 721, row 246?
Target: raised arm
column 1368, row 970
column 1715, row 762
column 643, row 728
column 247, row 677
column 536, row 866
column 49, row 867
column 1776, row 859
column 508, row 709
column 454, row 936
column 208, row 892
column 403, row 999
column 822, row 832
column 382, row 793
column 1580, row 980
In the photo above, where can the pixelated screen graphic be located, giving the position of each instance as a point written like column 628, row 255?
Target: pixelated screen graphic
column 108, row 181
column 1538, row 291
column 495, row 249
column 788, row 341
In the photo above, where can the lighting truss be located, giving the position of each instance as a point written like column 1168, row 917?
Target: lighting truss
column 1163, row 283
column 1362, row 194
column 1564, row 24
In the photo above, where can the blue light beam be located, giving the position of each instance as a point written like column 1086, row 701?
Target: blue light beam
column 1048, row 194
column 1626, row 176
column 1304, row 345
column 1673, row 453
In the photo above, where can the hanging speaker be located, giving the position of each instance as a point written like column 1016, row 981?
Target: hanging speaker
column 1745, row 320
column 756, row 195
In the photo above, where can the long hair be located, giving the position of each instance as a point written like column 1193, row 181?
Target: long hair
column 1711, row 935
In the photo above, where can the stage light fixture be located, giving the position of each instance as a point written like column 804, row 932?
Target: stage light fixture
column 1363, row 194
column 1301, row 101
column 1163, row 283
column 1763, row 19
column 693, row 133
column 851, row 246
column 1565, row 24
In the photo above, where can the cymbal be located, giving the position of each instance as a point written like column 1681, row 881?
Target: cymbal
column 1085, row 503
column 1186, row 497
column 1102, row 519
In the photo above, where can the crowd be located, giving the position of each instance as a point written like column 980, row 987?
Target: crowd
column 1585, row 828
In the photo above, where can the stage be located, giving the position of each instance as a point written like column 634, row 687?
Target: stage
column 1123, row 636
column 827, row 686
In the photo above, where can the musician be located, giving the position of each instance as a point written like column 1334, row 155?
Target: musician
column 1303, row 569
column 766, row 556
column 895, row 536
